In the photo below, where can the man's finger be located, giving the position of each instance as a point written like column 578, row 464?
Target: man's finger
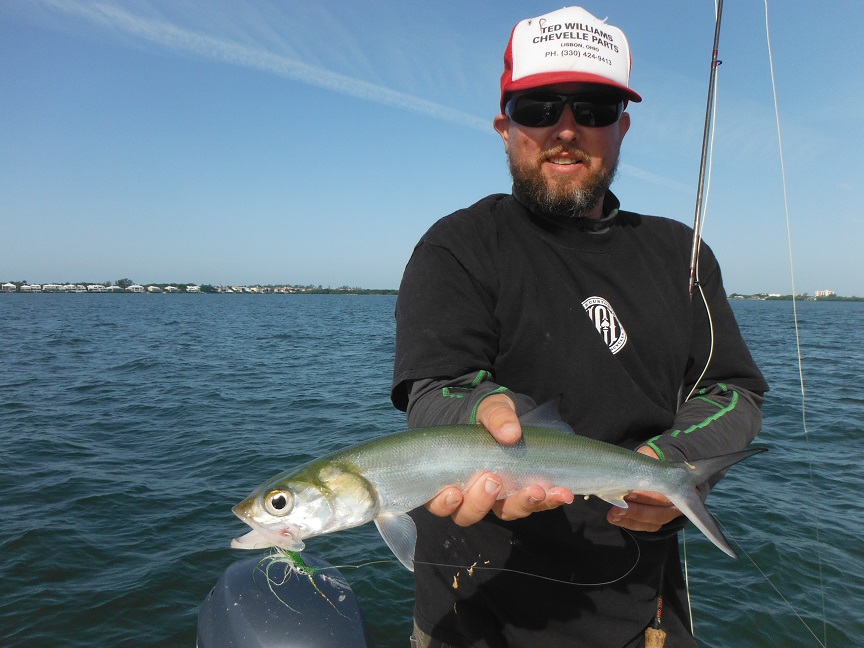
column 647, row 497
column 497, row 413
column 478, row 499
column 531, row 500
column 642, row 517
column 445, row 503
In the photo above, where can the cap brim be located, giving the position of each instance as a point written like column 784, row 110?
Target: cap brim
column 557, row 78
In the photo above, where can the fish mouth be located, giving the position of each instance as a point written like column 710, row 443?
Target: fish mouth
column 263, row 537
column 259, row 538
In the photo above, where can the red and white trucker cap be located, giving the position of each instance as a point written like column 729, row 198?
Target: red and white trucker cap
column 566, row 46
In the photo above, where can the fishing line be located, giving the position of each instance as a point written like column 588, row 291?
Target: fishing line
column 470, row 569
column 817, row 526
column 768, row 580
column 295, row 566
column 699, row 221
column 280, row 558
column 687, row 582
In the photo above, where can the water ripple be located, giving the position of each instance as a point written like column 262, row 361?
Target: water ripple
column 131, row 424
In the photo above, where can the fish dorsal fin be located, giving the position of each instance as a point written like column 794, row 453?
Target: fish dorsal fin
column 546, row 416
column 400, row 534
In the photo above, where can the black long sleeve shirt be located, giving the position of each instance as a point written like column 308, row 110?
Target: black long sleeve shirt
column 495, row 297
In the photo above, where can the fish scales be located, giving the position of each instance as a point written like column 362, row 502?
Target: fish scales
column 408, row 470
column 383, row 479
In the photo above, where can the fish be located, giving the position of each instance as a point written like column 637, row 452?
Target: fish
column 385, row 478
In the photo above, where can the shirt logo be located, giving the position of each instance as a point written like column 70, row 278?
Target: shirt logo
column 607, row 323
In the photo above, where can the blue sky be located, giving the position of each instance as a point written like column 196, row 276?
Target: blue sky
column 240, row 142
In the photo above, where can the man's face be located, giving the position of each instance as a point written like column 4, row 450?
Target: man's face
column 563, row 169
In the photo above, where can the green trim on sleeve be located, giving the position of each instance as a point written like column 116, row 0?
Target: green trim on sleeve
column 454, row 392
column 712, row 418
column 473, row 419
column 708, row 400
column 481, row 376
column 660, row 455
column 721, row 411
column 705, row 390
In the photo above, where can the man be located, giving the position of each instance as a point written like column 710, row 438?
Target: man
column 552, row 292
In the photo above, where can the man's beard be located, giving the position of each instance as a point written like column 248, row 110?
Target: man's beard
column 560, row 199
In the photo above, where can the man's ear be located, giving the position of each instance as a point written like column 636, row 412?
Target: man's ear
column 502, row 125
column 623, row 126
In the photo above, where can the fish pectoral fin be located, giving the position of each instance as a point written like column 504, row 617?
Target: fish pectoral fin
column 616, row 499
column 400, row 534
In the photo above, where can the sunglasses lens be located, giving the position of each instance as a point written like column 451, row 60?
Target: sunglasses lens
column 596, row 114
column 536, row 110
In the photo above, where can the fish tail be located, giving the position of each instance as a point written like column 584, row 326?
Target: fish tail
column 704, row 469
column 691, row 504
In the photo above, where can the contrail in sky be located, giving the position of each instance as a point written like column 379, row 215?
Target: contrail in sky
column 177, row 38
column 234, row 53
column 654, row 178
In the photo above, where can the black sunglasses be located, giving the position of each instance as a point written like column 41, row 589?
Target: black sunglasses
column 538, row 109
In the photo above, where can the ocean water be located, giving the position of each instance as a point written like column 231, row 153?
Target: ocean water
column 131, row 424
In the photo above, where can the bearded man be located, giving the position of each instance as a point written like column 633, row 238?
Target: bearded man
column 553, row 292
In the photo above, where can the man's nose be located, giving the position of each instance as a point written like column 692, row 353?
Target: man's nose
column 566, row 129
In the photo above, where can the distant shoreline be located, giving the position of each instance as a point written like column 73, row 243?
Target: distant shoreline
column 125, row 288
column 21, row 287
column 804, row 297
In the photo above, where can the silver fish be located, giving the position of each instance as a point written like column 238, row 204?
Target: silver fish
column 385, row 478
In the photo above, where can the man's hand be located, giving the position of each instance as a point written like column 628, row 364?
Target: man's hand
column 647, row 511
column 497, row 413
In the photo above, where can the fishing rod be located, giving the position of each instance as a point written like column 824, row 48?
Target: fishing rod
column 698, row 219
column 655, row 636
column 658, row 637
column 703, row 162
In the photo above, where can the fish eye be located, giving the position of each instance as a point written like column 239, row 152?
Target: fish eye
column 279, row 502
